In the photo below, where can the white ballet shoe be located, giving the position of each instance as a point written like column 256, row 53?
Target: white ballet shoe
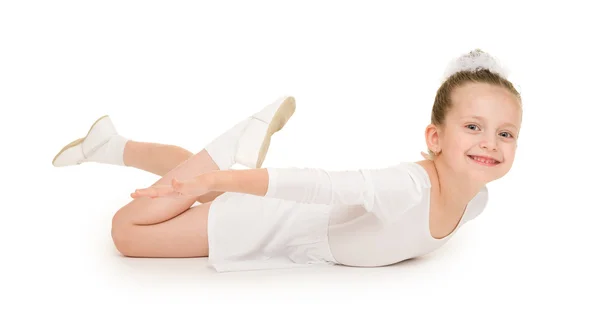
column 254, row 141
column 79, row 150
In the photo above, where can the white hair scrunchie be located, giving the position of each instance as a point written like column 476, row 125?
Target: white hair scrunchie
column 473, row 61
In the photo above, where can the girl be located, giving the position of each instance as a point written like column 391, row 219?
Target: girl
column 260, row 218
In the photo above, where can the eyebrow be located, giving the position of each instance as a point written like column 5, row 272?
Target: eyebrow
column 483, row 119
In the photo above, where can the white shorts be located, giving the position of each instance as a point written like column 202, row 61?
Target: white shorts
column 248, row 232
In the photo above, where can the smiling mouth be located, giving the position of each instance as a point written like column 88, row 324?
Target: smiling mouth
column 483, row 161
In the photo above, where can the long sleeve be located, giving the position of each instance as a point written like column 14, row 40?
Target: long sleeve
column 385, row 191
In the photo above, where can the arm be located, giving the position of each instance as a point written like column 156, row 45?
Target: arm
column 387, row 193
column 208, row 197
column 251, row 181
column 369, row 188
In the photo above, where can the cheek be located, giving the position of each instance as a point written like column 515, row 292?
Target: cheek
column 509, row 149
column 460, row 145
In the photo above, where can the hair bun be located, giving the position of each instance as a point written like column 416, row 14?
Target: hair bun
column 473, row 61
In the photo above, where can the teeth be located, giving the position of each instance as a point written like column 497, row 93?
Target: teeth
column 483, row 160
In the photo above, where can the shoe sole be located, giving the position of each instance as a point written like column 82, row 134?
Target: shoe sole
column 280, row 118
column 77, row 141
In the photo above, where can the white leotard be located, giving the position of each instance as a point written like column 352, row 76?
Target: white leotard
column 380, row 216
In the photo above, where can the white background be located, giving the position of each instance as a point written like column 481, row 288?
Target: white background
column 364, row 75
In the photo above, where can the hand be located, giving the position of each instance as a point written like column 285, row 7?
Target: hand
column 192, row 187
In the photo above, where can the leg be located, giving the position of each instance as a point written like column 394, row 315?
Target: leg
column 148, row 211
column 168, row 227
column 183, row 236
column 154, row 158
column 159, row 159
column 165, row 227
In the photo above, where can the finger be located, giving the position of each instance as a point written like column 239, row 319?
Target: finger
column 144, row 192
column 179, row 186
column 166, row 191
column 152, row 192
column 136, row 194
column 176, row 183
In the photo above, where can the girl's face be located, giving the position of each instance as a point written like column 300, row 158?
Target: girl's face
column 485, row 120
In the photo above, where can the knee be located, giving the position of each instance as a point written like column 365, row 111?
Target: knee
column 122, row 237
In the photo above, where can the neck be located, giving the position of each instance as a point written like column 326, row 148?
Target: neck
column 454, row 188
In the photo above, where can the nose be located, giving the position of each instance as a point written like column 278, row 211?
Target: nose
column 489, row 144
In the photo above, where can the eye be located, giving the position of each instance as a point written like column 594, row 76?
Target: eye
column 471, row 125
column 509, row 134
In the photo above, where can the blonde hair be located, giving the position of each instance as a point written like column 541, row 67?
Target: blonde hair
column 477, row 67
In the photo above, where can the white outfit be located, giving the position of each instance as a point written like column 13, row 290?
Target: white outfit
column 367, row 217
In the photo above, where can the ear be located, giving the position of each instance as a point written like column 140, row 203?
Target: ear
column 432, row 138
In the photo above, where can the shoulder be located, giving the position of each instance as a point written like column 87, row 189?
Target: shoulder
column 396, row 188
column 407, row 176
